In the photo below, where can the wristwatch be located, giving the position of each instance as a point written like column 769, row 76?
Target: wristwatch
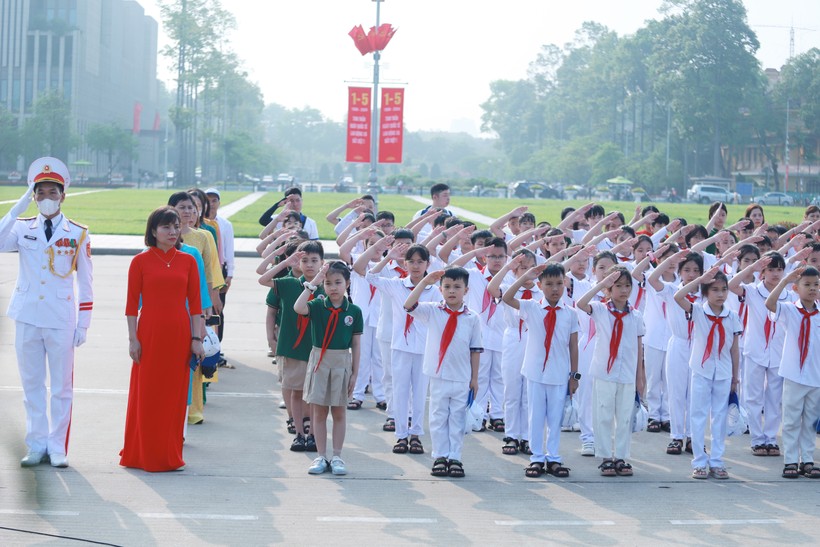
column 309, row 287
column 575, row 375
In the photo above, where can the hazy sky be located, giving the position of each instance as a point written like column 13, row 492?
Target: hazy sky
column 446, row 52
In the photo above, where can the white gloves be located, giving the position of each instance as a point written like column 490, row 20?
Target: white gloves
column 80, row 336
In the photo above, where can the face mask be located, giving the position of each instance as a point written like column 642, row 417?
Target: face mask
column 48, row 207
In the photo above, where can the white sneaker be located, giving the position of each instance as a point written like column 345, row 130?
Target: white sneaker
column 33, row 458
column 337, row 466
column 588, row 449
column 318, row 466
column 58, row 460
column 283, row 404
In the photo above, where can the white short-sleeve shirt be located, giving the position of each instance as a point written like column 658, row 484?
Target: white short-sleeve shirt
column 456, row 365
column 556, row 369
column 625, row 367
column 789, row 319
column 718, row 366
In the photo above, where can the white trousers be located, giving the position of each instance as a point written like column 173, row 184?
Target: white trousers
column 386, row 353
column 370, row 367
column 612, row 405
column 409, row 393
column 546, row 409
column 677, row 387
column 516, row 421
column 491, row 383
column 762, row 398
column 656, row 399
column 801, row 409
column 38, row 350
column 584, row 394
column 708, row 397
column 448, row 417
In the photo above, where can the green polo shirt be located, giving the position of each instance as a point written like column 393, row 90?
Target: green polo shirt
column 350, row 323
column 288, row 290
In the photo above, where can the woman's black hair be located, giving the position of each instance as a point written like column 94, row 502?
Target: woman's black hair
column 160, row 217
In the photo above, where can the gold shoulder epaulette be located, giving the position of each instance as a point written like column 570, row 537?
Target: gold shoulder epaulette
column 78, row 224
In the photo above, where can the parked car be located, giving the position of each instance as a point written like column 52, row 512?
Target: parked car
column 528, row 189
column 704, row 193
column 774, row 198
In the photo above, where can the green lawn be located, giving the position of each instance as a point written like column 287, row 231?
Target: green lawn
column 124, row 211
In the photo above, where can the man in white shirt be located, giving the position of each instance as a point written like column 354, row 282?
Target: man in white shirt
column 440, row 195
column 226, row 246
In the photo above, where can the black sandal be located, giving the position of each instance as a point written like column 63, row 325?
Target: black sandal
column 511, row 448
column 772, row 450
column 306, row 426
column 534, row 470
column 688, row 448
column 608, row 468
column 675, row 447
column 557, row 470
column 291, row 426
column 440, row 468
column 497, row 425
column 525, row 448
column 808, row 469
column 791, row 471
column 666, row 426
column 354, row 404
column 389, row 425
column 654, row 426
column 400, row 447
column 622, row 469
column 381, row 405
column 416, row 446
column 455, row 469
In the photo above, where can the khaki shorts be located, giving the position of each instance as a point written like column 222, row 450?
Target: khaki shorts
column 293, row 373
column 327, row 386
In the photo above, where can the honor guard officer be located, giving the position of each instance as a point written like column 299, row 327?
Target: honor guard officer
column 51, row 318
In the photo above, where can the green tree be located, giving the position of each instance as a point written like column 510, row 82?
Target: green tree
column 48, row 131
column 9, row 138
column 118, row 144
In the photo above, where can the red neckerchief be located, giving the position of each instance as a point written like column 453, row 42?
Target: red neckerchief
column 624, row 258
column 549, row 326
column 617, row 333
column 481, row 267
column 488, row 301
column 330, row 330
column 717, row 325
column 639, row 298
column 408, row 321
column 447, row 335
column 372, row 293
column 805, row 333
column 526, row 295
column 769, row 329
column 691, row 298
column 302, row 323
column 402, row 271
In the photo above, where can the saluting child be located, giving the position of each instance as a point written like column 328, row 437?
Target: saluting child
column 800, row 369
column 714, row 363
column 616, row 368
column 550, row 361
column 336, row 329
column 451, row 360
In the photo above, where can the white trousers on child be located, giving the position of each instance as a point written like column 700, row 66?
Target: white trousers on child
column 707, row 397
column 546, row 408
column 448, row 416
column 490, row 383
column 801, row 409
column 370, row 367
column 584, row 394
column 656, row 399
column 762, row 398
column 677, row 387
column 612, row 405
column 516, row 419
column 386, row 353
column 409, row 388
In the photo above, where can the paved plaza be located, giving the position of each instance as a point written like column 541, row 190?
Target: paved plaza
column 242, row 486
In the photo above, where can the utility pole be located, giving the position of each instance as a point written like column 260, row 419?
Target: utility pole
column 372, row 180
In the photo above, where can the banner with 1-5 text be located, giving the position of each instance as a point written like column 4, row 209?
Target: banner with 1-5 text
column 358, row 124
column 391, row 132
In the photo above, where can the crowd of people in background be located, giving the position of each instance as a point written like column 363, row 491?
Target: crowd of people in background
column 512, row 328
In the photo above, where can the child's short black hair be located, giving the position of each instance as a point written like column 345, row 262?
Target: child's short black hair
column 303, row 235
column 369, row 216
column 643, row 238
column 619, row 215
column 720, row 277
column 312, row 248
column 629, row 230
column 661, row 220
column 595, row 211
column 438, row 188
column 404, row 233
column 717, row 205
column 484, row 235
column 681, row 220
column 622, row 271
column 746, row 249
column 526, row 252
column 604, row 255
column 452, row 221
column 815, row 246
column 698, row 231
column 339, row 267
column 417, row 249
column 746, row 224
column 544, row 223
column 765, row 241
column 565, row 211
column 778, row 229
column 527, row 217
column 293, row 215
column 441, row 220
column 692, row 257
column 649, row 209
column 293, row 191
column 673, row 249
column 367, row 196
column 553, row 269
column 386, row 215
column 457, row 274
column 777, row 260
column 498, row 243
column 809, row 272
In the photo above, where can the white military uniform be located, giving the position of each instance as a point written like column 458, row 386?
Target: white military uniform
column 49, row 320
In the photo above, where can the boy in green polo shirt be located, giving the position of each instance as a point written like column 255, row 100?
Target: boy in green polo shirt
column 294, row 342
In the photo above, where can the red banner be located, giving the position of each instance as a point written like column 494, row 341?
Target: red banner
column 137, row 113
column 358, row 124
column 391, row 131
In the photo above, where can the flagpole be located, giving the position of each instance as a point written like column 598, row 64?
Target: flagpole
column 372, row 181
